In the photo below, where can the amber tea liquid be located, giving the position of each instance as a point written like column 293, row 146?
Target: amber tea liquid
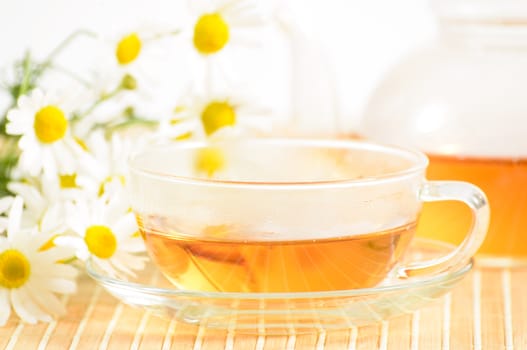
column 206, row 264
column 505, row 183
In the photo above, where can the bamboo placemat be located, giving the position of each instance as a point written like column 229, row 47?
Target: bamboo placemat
column 487, row 310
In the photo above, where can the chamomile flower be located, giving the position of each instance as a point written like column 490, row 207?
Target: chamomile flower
column 108, row 161
column 127, row 53
column 107, row 233
column 133, row 69
column 31, row 272
column 45, row 194
column 222, row 23
column 131, row 46
column 112, row 94
column 209, row 115
column 220, row 28
column 45, row 143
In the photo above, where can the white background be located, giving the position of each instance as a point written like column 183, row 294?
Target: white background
column 362, row 37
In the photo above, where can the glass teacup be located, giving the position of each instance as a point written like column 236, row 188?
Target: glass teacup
column 290, row 215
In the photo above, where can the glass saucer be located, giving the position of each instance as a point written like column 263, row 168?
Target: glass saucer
column 278, row 313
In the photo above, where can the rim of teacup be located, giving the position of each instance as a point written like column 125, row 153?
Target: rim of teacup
column 419, row 163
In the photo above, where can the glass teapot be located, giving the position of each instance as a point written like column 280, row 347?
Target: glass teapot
column 462, row 99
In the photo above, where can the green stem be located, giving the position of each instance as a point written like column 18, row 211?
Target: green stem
column 71, row 74
column 32, row 71
column 25, row 83
column 134, row 121
column 162, row 35
column 61, row 46
column 96, row 104
column 26, row 75
column 8, row 160
column 131, row 121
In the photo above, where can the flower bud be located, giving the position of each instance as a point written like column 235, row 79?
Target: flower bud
column 128, row 82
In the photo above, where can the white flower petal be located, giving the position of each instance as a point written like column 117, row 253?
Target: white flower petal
column 17, row 124
column 64, row 157
column 37, row 239
column 105, row 266
column 75, row 243
column 133, row 262
column 49, row 163
column 5, row 306
column 77, row 227
column 22, row 305
column 4, row 244
column 37, row 99
column 50, row 187
column 24, row 103
column 5, row 203
column 3, row 224
column 78, row 216
column 132, row 245
column 116, row 207
column 82, row 253
column 15, row 217
column 55, row 254
column 60, row 285
column 53, row 219
column 122, row 268
column 28, row 142
column 241, row 19
column 126, row 226
column 48, row 301
column 61, row 271
column 201, row 6
column 31, row 159
column 32, row 197
column 14, row 115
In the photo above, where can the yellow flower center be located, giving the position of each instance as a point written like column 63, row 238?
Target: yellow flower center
column 50, row 124
column 14, row 269
column 209, row 160
column 217, row 115
column 101, row 241
column 68, row 181
column 211, row 33
column 128, row 49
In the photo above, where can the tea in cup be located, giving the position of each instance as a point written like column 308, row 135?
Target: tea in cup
column 290, row 215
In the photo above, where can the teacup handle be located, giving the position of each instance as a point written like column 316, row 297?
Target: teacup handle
column 475, row 199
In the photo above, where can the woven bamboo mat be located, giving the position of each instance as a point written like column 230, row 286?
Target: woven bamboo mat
column 487, row 310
